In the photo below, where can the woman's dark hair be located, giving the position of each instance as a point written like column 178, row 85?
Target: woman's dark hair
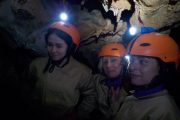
column 167, row 70
column 61, row 34
column 71, row 46
column 171, row 78
column 168, row 75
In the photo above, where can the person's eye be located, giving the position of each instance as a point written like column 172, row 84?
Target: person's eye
column 104, row 61
column 59, row 46
column 131, row 59
column 143, row 62
column 49, row 44
column 114, row 59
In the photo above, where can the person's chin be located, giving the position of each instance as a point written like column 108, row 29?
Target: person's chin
column 112, row 76
column 55, row 58
column 136, row 81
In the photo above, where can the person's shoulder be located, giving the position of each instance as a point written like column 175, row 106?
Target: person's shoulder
column 163, row 101
column 79, row 65
column 39, row 60
column 168, row 101
column 98, row 79
column 166, row 106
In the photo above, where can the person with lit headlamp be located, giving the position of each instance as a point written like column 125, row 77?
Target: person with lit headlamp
column 154, row 58
column 109, row 88
column 64, row 86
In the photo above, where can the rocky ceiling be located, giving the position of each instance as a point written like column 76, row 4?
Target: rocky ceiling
column 99, row 21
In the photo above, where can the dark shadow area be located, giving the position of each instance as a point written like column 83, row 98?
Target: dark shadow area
column 14, row 63
column 176, row 83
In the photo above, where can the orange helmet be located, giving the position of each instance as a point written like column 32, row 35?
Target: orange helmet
column 69, row 29
column 155, row 45
column 112, row 49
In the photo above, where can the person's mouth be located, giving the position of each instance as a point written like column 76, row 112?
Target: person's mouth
column 134, row 75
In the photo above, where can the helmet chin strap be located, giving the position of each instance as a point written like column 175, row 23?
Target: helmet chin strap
column 59, row 63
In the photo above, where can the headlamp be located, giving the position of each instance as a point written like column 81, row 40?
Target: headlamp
column 63, row 16
column 141, row 30
column 133, row 30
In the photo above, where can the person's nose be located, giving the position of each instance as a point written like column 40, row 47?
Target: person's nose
column 109, row 63
column 134, row 65
column 53, row 49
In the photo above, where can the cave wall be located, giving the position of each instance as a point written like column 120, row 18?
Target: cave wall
column 27, row 20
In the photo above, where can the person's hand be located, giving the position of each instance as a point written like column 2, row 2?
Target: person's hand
column 114, row 94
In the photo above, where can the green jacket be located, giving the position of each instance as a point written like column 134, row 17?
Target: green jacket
column 105, row 105
column 65, row 88
column 158, row 106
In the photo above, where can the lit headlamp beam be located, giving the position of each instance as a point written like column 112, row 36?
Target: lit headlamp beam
column 63, row 16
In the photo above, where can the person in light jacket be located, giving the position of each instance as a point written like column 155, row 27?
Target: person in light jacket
column 64, row 87
column 109, row 85
column 154, row 58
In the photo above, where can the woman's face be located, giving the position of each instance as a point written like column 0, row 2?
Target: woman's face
column 111, row 66
column 143, row 69
column 57, row 47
